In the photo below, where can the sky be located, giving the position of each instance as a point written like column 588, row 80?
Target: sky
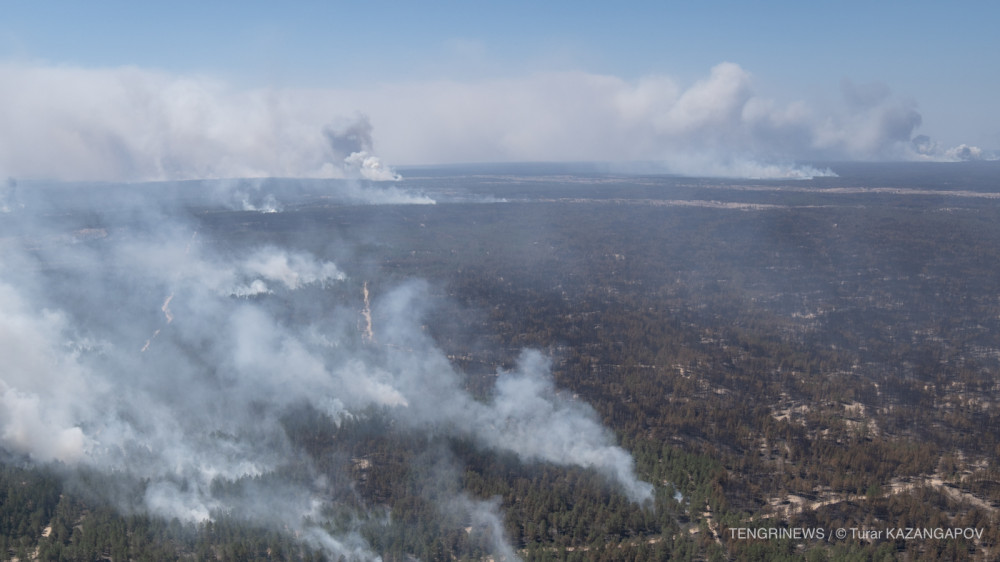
column 136, row 91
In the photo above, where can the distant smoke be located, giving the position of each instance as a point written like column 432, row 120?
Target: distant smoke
column 134, row 124
column 370, row 167
column 351, row 143
column 964, row 152
column 162, row 356
column 926, row 149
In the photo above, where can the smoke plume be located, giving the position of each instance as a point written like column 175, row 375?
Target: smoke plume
column 351, row 143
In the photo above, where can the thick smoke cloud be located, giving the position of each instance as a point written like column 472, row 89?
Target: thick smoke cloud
column 31, row 418
column 135, row 124
column 150, row 352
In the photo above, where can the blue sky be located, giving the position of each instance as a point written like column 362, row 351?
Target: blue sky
column 817, row 74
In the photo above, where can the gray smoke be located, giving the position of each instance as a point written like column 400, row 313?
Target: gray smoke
column 349, row 136
column 526, row 414
column 351, row 143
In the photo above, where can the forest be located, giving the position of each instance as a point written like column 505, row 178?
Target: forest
column 812, row 354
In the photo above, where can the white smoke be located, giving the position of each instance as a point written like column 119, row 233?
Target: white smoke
column 530, row 418
column 185, row 265
column 255, row 288
column 699, row 129
column 38, row 415
column 157, row 356
column 370, row 167
column 202, row 402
